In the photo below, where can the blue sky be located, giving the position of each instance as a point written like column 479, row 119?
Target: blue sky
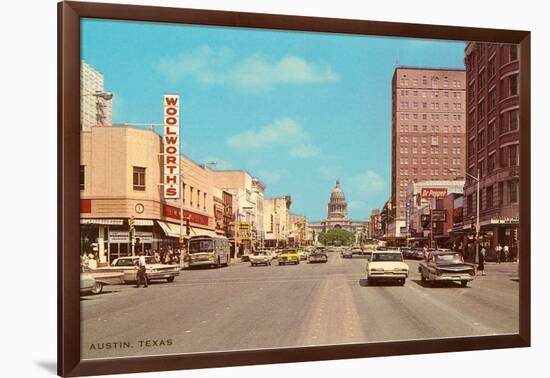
column 295, row 109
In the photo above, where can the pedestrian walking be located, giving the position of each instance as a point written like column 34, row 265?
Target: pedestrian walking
column 481, row 262
column 141, row 276
column 506, row 251
column 498, row 251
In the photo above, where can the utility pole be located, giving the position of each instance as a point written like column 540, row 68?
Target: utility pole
column 477, row 217
column 431, row 223
column 131, row 224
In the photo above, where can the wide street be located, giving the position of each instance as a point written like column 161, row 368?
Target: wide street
column 243, row 307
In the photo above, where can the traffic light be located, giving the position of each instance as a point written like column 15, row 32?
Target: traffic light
column 516, row 234
column 187, row 227
column 472, row 222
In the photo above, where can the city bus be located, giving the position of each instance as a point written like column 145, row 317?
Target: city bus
column 212, row 251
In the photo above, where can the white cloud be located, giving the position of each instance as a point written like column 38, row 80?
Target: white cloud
column 367, row 183
column 260, row 72
column 256, row 72
column 284, row 132
column 204, row 64
column 303, row 150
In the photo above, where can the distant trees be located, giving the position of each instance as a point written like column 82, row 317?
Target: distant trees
column 336, row 237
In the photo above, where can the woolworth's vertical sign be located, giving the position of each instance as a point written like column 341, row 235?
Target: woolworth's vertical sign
column 171, row 146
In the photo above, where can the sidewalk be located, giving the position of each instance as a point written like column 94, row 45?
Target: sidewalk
column 507, row 269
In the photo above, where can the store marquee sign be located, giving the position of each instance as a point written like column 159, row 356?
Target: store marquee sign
column 174, row 213
column 502, row 220
column 119, row 237
column 433, row 192
column 144, row 236
column 171, row 141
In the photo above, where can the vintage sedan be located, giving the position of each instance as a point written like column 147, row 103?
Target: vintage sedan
column 317, row 255
column 87, row 284
column 303, row 254
column 155, row 271
column 347, row 253
column 446, row 266
column 260, row 258
column 387, row 265
column 288, row 256
column 102, row 278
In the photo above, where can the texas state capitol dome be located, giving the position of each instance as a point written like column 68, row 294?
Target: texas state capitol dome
column 337, row 215
column 337, row 206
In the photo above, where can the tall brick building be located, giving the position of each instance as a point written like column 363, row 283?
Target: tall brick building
column 428, row 131
column 492, row 74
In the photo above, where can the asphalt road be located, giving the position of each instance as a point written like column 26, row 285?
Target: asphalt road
column 243, row 307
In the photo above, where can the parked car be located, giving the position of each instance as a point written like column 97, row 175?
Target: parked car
column 102, row 278
column 288, row 256
column 88, row 284
column 347, row 253
column 260, row 258
column 407, row 252
column 446, row 266
column 317, row 255
column 387, row 265
column 154, row 271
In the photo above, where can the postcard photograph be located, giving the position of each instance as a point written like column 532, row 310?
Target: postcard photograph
column 245, row 189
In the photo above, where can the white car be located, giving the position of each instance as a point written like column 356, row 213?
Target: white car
column 387, row 266
column 260, row 258
column 153, row 270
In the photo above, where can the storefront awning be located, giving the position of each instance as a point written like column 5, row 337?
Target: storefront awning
column 173, row 230
column 102, row 221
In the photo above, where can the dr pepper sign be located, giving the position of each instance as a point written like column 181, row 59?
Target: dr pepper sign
column 171, row 146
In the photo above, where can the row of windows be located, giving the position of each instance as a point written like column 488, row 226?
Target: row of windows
column 508, row 156
column 139, row 184
column 494, row 195
column 432, row 171
column 433, row 150
column 508, row 121
column 433, row 117
column 433, row 94
column 511, row 56
column 433, row 161
column 433, row 105
column 404, row 82
column 508, row 87
column 434, row 139
column 433, row 128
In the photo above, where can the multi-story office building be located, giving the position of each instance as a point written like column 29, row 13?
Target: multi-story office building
column 492, row 74
column 248, row 206
column 428, row 132
column 276, row 221
column 95, row 109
